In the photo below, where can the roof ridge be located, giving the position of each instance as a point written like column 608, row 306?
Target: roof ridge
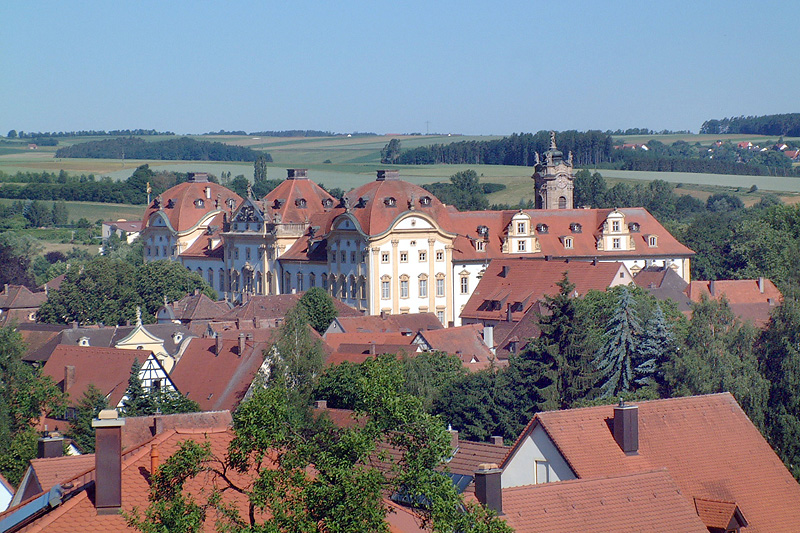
column 596, row 479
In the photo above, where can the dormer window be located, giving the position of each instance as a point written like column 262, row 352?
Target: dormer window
column 615, row 226
column 199, row 203
column 83, row 341
column 300, row 202
column 177, row 337
column 277, row 204
column 568, row 243
column 389, row 201
column 521, row 228
column 170, row 203
column 575, row 227
column 480, row 246
column 542, row 228
column 425, row 201
column 483, row 231
column 652, row 241
column 327, row 203
column 634, row 227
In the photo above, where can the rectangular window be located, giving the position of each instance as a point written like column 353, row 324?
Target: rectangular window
column 615, row 243
column 247, row 253
column 439, row 255
column 653, row 241
column 542, row 472
column 440, row 287
column 344, row 257
column 480, row 246
column 404, row 288
column 520, row 246
column 568, row 242
column 352, row 257
column 404, row 257
column 440, row 316
column 615, row 225
column 235, row 253
column 384, row 257
column 423, row 288
column 385, row 290
column 423, row 257
column 464, row 285
column 520, row 228
column 333, row 257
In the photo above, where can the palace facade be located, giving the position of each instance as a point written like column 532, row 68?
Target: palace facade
column 389, row 245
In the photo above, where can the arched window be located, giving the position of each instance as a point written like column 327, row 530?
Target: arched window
column 270, row 290
column 562, row 202
column 259, row 283
column 352, row 287
column 221, row 279
column 211, row 277
column 362, row 287
column 299, row 281
column 342, row 287
column 312, row 280
column 287, row 283
column 324, row 281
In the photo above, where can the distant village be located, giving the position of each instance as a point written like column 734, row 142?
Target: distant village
column 408, row 275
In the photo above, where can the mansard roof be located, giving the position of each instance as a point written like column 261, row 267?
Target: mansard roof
column 296, row 199
column 191, row 201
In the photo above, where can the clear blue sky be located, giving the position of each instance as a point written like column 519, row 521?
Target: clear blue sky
column 388, row 67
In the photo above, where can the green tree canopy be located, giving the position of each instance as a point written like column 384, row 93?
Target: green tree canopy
column 319, row 308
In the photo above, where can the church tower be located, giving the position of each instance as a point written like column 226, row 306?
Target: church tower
column 553, row 179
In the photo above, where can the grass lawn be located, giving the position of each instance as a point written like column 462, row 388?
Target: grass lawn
column 93, row 211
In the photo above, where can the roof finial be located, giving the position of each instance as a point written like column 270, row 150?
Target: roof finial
column 552, row 140
column 138, row 316
column 250, row 190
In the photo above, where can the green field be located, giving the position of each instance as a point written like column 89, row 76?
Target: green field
column 93, row 211
column 354, row 161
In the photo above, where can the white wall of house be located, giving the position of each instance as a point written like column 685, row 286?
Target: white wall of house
column 537, row 460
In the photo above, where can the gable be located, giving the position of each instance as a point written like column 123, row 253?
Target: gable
column 535, row 451
column 413, row 223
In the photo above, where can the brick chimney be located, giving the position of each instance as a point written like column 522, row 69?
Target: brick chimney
column 487, row 487
column 496, row 440
column 321, row 404
column 626, row 427
column 761, row 285
column 108, row 461
column 49, row 447
column 453, row 438
column 711, row 287
column 69, row 377
column 241, row 344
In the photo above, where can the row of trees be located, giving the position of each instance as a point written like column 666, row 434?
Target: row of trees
column 13, row 134
column 786, row 124
column 588, row 148
column 184, row 148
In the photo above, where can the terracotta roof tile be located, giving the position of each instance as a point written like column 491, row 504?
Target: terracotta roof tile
column 470, row 454
column 57, row 469
column 197, row 307
column 290, row 195
column 20, row 297
column 715, row 513
column 184, row 214
column 464, row 341
column 409, row 323
column 527, row 281
column 749, row 299
column 108, row 369
column 635, row 502
column 706, row 443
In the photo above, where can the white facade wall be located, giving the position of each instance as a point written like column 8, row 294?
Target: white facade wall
column 537, row 460
column 472, row 273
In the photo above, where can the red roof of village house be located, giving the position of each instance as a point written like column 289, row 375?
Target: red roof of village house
column 528, row 281
column 466, row 342
column 197, row 307
column 108, row 369
column 635, row 502
column 290, row 195
column 219, row 381
column 275, row 306
column 409, row 323
column 20, row 297
column 706, row 443
column 78, row 513
column 201, row 248
column 184, row 214
column 749, row 299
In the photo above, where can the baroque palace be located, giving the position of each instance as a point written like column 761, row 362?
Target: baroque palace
column 389, row 245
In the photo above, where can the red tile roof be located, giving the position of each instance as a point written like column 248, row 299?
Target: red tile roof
column 272, row 307
column 108, row 369
column 470, row 454
column 56, row 469
column 184, row 215
column 706, row 443
column 218, row 381
column 20, row 297
column 750, row 299
column 289, row 195
column 204, row 247
column 197, row 307
column 529, row 280
column 635, row 502
column 717, row 514
column 409, row 323
column 466, row 342
column 138, row 429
